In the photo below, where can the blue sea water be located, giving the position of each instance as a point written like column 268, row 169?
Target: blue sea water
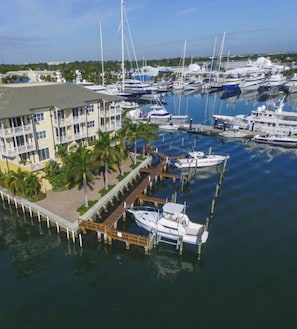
column 246, row 275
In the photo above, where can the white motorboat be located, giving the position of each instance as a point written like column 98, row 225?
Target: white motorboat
column 252, row 83
column 277, row 139
column 169, row 127
column 198, row 159
column 159, row 114
column 171, row 223
column 233, row 132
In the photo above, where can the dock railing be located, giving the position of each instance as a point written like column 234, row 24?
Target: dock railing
column 115, row 190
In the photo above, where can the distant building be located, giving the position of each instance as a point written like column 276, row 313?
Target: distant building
column 36, row 118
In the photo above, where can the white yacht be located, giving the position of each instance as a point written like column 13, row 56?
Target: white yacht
column 292, row 84
column 251, row 83
column 198, row 159
column 269, row 118
column 158, row 114
column 277, row 139
column 171, row 223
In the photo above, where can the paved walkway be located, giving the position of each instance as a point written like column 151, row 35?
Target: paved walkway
column 65, row 203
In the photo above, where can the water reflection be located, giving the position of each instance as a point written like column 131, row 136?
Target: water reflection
column 269, row 151
column 168, row 264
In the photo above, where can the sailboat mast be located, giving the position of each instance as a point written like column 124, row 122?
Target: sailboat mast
column 122, row 39
column 102, row 60
column 221, row 53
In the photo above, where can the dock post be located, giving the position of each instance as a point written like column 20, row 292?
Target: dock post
column 199, row 251
column 73, row 237
column 127, row 245
column 67, row 233
column 125, row 211
column 146, row 250
column 47, row 221
column 98, row 236
column 30, row 210
column 58, row 228
column 38, row 215
column 181, row 244
column 23, row 207
column 80, row 240
column 217, row 191
column 212, row 206
column 15, row 203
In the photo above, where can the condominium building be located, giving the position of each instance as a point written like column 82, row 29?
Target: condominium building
column 37, row 117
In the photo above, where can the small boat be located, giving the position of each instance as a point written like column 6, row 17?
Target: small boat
column 169, row 127
column 232, row 132
column 277, row 139
column 171, row 223
column 198, row 159
column 158, row 113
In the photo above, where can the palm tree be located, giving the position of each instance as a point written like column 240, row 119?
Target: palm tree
column 106, row 153
column 79, row 169
column 121, row 138
column 133, row 132
column 32, row 187
column 62, row 152
column 14, row 181
column 148, row 133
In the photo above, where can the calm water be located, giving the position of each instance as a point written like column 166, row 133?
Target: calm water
column 245, row 279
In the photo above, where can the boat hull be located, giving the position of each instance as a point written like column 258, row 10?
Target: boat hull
column 154, row 222
column 208, row 161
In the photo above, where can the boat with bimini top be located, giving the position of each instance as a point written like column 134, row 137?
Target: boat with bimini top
column 171, row 223
column 198, row 159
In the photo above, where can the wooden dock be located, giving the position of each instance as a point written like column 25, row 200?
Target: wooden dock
column 108, row 228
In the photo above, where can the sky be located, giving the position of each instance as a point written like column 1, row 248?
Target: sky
column 35, row 31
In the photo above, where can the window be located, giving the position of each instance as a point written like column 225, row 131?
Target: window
column 90, row 108
column 39, row 117
column 43, row 154
column 91, row 124
column 41, row 134
column 76, row 129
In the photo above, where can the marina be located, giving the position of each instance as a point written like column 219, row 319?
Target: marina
column 245, row 257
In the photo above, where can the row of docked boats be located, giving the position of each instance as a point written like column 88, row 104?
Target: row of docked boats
column 275, row 126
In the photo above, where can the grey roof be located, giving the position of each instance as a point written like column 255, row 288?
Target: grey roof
column 16, row 100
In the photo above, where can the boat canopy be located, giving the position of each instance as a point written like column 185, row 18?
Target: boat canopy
column 171, row 207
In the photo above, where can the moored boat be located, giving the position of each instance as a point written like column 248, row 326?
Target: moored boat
column 198, row 159
column 233, row 132
column 277, row 139
column 171, row 223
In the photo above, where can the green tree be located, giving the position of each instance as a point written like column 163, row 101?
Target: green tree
column 79, row 169
column 148, row 133
column 62, row 152
column 15, row 181
column 106, row 153
column 31, row 187
column 121, row 138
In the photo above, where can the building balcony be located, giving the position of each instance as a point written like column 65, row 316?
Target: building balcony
column 13, row 152
column 16, row 131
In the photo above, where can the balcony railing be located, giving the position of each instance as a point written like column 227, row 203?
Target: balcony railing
column 12, row 152
column 16, row 131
